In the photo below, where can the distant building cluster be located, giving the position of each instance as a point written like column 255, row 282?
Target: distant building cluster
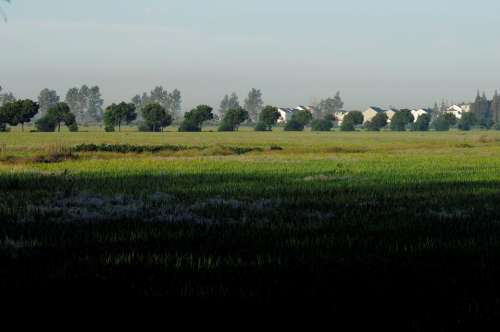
column 457, row 110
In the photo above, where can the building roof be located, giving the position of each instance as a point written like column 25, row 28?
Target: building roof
column 377, row 109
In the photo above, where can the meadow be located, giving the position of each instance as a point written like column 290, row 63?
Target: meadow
column 397, row 222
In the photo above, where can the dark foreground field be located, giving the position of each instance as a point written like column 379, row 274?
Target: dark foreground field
column 406, row 225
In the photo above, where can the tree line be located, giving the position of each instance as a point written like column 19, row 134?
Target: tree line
column 155, row 110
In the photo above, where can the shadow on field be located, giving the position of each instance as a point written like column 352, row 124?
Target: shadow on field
column 428, row 253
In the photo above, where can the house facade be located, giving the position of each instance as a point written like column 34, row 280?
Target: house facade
column 459, row 110
column 417, row 113
column 370, row 113
column 286, row 113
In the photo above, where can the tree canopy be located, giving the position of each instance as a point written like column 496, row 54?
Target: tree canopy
column 56, row 115
column 117, row 114
column 156, row 117
column 18, row 112
column 268, row 118
column 233, row 118
column 194, row 119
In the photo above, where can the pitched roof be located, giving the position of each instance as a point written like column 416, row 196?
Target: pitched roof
column 377, row 109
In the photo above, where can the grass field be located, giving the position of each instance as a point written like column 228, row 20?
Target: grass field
column 410, row 220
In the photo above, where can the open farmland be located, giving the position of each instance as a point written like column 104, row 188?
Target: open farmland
column 410, row 219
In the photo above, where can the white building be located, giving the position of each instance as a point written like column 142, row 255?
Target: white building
column 287, row 112
column 459, row 110
column 340, row 115
column 370, row 113
column 390, row 114
column 417, row 113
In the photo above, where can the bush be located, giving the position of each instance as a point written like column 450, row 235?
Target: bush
column 441, row 124
column 322, row 125
column 467, row 121
column 261, row 126
column 294, row 125
column 109, row 129
column 422, row 123
column 46, row 124
column 371, row 126
column 347, row 125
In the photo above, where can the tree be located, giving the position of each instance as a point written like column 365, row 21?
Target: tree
column 347, row 124
column 321, row 125
column 299, row 120
column 171, row 102
column 401, row 120
column 378, row 122
column 47, row 99
column 86, row 103
column 482, row 110
column 233, row 118
column 57, row 114
column 115, row 115
column 193, row 120
column 156, row 117
column 329, row 106
column 356, row 117
column 268, row 118
column 228, row 103
column 254, row 104
column 422, row 123
column 442, row 123
column 495, row 108
column 450, row 118
column 19, row 112
column 7, row 97
column 467, row 120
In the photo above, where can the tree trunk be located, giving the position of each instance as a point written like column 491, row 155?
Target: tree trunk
column 22, row 126
column 119, row 126
column 59, row 127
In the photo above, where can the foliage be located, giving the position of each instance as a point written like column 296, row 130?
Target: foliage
column 18, row 112
column 229, row 103
column 347, row 124
column 402, row 120
column 268, row 118
column 422, row 123
column 321, row 125
column 47, row 99
column 193, row 120
column 116, row 115
column 442, row 123
column 57, row 114
column 86, row 103
column 329, row 106
column 354, row 117
column 378, row 122
column 170, row 101
column 467, row 120
column 156, row 117
column 299, row 120
column 233, row 118
column 254, row 104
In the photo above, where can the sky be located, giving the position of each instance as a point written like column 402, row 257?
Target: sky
column 395, row 53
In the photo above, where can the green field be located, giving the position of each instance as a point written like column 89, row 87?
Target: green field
column 357, row 219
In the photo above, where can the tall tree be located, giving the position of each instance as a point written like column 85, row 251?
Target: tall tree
column 47, row 99
column 229, row 103
column 115, row 115
column 171, row 102
column 19, row 112
column 329, row 106
column 254, row 104
column 193, row 120
column 6, row 97
column 156, row 117
column 233, row 118
column 482, row 110
column 268, row 118
column 495, row 108
column 86, row 103
column 57, row 114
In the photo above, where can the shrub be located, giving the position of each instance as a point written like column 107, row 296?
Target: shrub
column 261, row 126
column 321, row 125
column 347, row 125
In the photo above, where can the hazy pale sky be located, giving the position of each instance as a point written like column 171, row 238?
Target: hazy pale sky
column 385, row 52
